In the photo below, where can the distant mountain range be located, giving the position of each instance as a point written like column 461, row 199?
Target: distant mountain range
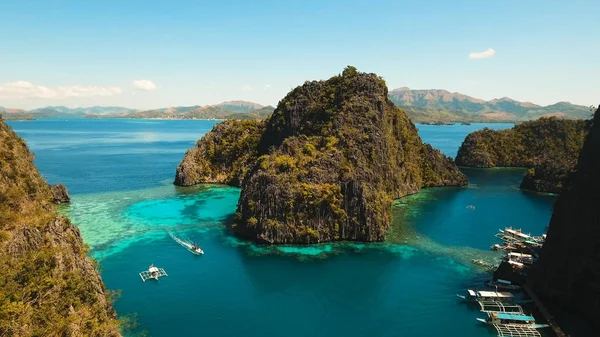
column 433, row 105
column 441, row 105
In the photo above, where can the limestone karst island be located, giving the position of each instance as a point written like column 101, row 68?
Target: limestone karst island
column 299, row 169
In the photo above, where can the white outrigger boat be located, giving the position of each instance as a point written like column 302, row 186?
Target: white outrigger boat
column 512, row 319
column 481, row 295
column 153, row 273
column 189, row 245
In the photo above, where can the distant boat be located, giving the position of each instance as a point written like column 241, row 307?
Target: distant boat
column 471, row 207
column 188, row 244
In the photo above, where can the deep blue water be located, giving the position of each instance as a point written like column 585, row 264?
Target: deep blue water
column 120, row 173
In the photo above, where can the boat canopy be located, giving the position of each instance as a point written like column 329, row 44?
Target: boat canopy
column 518, row 264
column 471, row 292
column 514, row 317
column 495, row 294
column 520, row 255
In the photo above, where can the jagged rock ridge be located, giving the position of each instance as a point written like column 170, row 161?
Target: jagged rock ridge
column 329, row 162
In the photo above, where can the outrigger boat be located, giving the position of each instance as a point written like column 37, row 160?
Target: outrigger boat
column 499, row 307
column 189, row 245
column 521, row 258
column 152, row 273
column 514, row 319
column 502, row 284
column 480, row 295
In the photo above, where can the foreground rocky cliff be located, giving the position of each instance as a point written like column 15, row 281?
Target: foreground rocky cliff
column 568, row 270
column 48, row 286
column 326, row 166
column 549, row 146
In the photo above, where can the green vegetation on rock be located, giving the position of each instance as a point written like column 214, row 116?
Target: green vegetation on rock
column 48, row 286
column 567, row 273
column 223, row 155
column 330, row 160
column 549, row 146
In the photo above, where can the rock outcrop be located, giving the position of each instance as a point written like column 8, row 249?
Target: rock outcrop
column 224, row 155
column 60, row 194
column 549, row 146
column 49, row 287
column 328, row 163
column 568, row 270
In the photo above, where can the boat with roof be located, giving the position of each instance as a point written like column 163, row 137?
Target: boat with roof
column 502, row 284
column 512, row 319
column 153, row 273
column 482, row 295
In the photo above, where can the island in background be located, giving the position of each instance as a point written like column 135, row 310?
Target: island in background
column 433, row 106
column 549, row 147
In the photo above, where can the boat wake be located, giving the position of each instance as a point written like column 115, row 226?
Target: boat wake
column 188, row 244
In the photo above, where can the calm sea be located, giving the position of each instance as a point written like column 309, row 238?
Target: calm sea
column 119, row 173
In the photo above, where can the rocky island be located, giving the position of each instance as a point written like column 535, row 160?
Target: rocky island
column 568, row 270
column 324, row 167
column 548, row 146
column 48, row 285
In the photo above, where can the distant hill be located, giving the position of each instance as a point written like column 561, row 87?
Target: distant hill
column 442, row 105
column 239, row 106
column 225, row 110
column 14, row 114
column 65, row 112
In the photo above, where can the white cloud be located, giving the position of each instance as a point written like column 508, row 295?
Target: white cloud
column 24, row 89
column 267, row 86
column 246, row 88
column 145, row 85
column 482, row 55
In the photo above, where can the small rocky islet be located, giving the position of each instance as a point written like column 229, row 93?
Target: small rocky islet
column 324, row 167
column 549, row 147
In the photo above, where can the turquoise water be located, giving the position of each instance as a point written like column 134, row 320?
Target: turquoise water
column 120, row 173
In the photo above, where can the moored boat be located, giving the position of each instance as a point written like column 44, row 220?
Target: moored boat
column 512, row 319
column 482, row 295
column 503, row 284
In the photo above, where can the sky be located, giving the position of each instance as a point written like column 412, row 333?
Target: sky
column 152, row 54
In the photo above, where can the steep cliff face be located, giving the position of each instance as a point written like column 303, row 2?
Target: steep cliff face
column 568, row 270
column 223, row 155
column 549, row 145
column 48, row 285
column 330, row 160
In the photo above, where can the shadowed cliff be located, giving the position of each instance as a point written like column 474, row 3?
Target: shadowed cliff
column 48, row 286
column 327, row 165
column 568, row 270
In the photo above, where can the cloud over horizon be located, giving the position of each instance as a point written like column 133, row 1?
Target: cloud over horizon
column 145, row 85
column 246, row 88
column 482, row 55
column 24, row 89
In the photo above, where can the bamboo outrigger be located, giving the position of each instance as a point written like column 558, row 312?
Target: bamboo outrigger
column 152, row 273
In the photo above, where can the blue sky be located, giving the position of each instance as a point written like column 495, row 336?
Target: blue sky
column 81, row 53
